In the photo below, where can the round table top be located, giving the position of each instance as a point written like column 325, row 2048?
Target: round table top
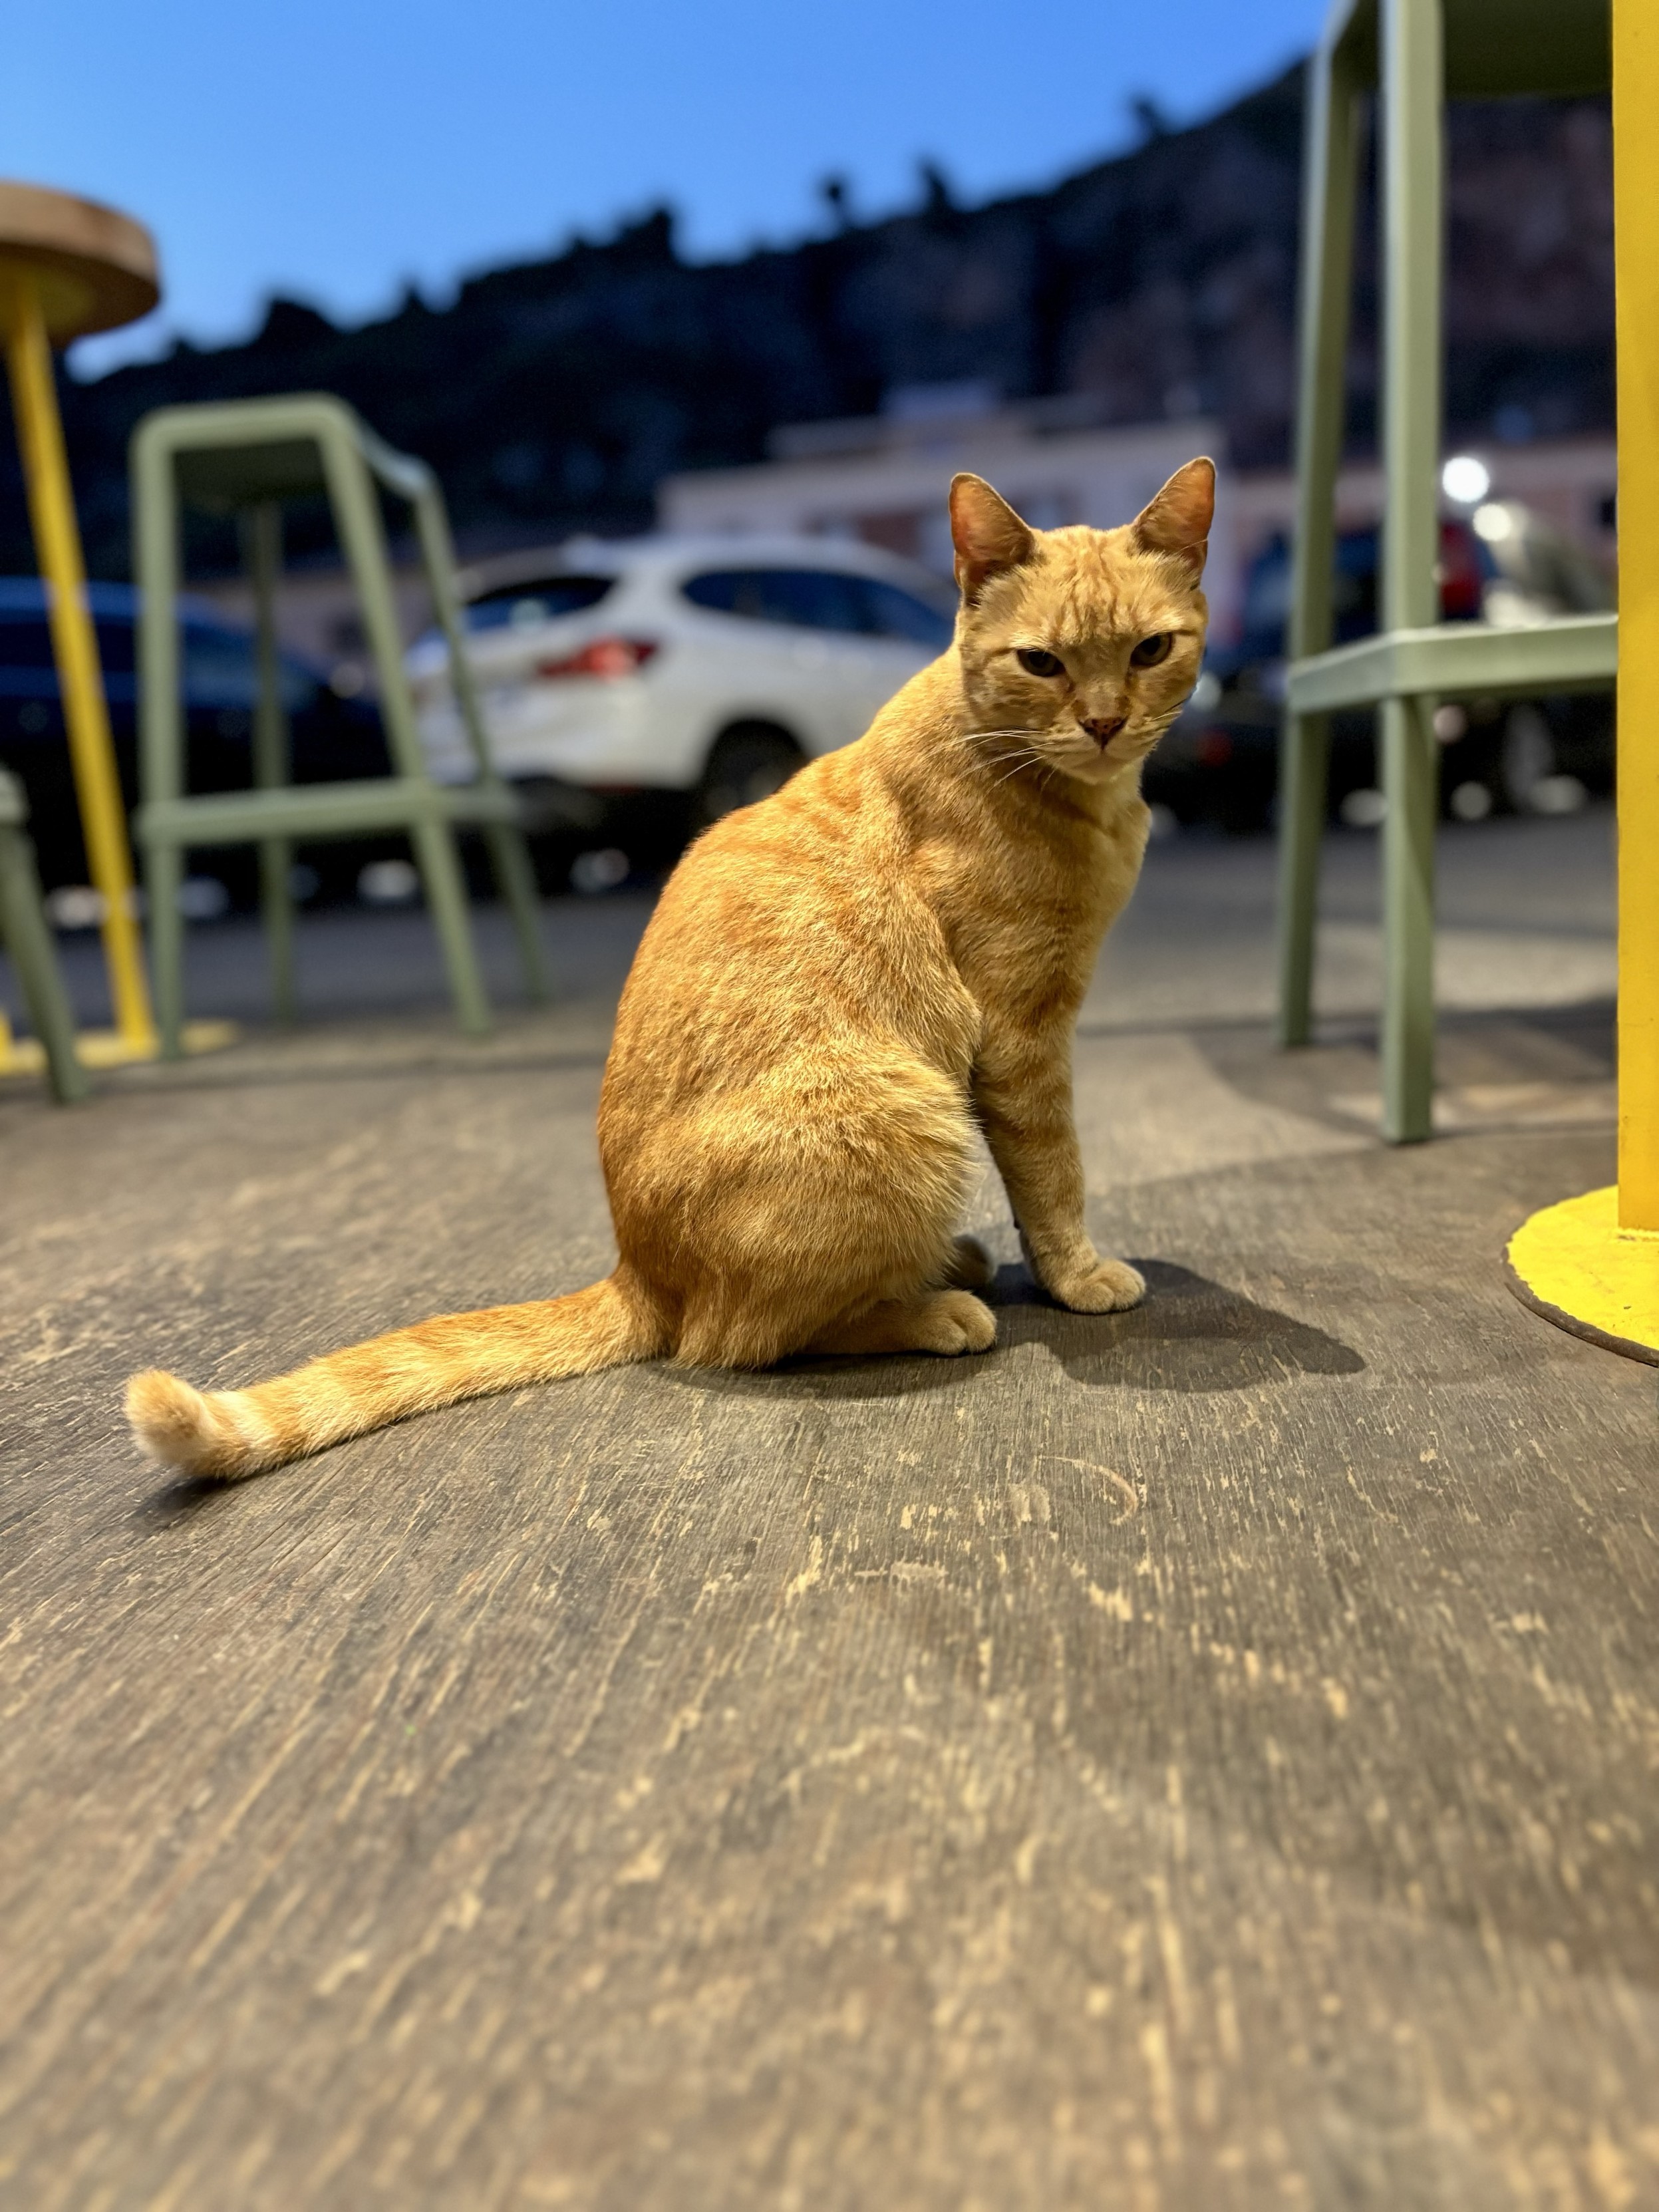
column 95, row 269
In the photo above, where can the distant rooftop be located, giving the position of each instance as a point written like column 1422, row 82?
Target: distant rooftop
column 916, row 418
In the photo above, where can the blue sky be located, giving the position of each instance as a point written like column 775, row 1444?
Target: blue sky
column 335, row 149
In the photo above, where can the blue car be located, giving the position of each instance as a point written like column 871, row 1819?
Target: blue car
column 333, row 740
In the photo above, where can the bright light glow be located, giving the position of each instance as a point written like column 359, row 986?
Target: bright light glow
column 388, row 883
column 1557, row 794
column 1363, row 810
column 1493, row 522
column 1471, row 802
column 593, row 872
column 1465, row 479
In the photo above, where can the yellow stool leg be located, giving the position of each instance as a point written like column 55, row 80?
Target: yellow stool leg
column 74, row 646
column 1591, row 1264
column 1635, row 184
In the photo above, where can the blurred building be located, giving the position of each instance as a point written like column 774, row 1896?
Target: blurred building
column 885, row 478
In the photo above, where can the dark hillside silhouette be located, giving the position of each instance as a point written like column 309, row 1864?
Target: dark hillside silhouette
column 551, row 396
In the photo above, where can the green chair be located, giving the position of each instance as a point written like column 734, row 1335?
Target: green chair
column 246, row 457
column 1418, row 54
column 24, row 933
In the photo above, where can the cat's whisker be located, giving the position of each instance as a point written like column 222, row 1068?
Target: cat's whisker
column 1024, row 760
column 983, row 759
column 994, row 751
column 985, row 748
column 991, row 742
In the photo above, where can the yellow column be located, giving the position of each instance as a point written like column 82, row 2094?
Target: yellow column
column 74, row 646
column 1636, row 246
column 1591, row 1264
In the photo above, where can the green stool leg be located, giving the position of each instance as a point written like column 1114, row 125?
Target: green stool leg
column 1411, row 788
column 1305, row 758
column 160, row 723
column 1413, row 77
column 357, row 518
column 23, row 927
column 446, row 892
column 509, row 859
column 164, row 876
column 262, row 530
column 509, row 855
column 1329, row 191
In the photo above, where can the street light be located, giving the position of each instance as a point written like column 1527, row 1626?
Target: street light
column 1465, row 480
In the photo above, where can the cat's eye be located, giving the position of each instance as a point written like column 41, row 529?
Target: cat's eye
column 1035, row 662
column 1151, row 650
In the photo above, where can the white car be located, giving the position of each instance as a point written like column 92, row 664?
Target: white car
column 706, row 667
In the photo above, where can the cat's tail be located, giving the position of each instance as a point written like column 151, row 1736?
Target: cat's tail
column 226, row 1434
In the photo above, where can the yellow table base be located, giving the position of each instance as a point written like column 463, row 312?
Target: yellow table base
column 1573, row 1264
column 111, row 1047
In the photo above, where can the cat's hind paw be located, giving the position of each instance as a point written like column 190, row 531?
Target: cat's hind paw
column 956, row 1322
column 970, row 1266
column 949, row 1322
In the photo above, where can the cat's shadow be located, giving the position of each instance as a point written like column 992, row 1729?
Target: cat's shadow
column 1190, row 1334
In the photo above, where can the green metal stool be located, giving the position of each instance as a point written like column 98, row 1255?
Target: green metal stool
column 246, row 457
column 24, row 933
column 1418, row 52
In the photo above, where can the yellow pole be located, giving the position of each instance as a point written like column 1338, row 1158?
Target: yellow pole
column 1636, row 249
column 1591, row 1264
column 75, row 648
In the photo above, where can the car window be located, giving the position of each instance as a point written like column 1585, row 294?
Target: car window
column 220, row 670
column 543, row 599
column 890, row 612
column 218, row 667
column 805, row 599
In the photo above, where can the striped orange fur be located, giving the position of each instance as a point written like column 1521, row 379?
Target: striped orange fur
column 838, row 988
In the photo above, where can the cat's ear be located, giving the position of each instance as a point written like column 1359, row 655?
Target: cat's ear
column 1178, row 520
column 988, row 536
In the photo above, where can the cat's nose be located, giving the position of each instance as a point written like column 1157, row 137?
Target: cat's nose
column 1102, row 728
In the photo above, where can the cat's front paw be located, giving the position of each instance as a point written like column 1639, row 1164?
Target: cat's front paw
column 1107, row 1286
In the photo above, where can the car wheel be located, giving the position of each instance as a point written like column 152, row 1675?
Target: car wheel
column 749, row 762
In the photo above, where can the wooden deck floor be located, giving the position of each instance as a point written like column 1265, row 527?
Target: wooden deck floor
column 1204, row 1758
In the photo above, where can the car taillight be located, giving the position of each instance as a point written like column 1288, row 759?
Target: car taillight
column 1459, row 574
column 603, row 656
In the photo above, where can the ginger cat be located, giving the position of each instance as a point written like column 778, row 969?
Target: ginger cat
column 837, row 988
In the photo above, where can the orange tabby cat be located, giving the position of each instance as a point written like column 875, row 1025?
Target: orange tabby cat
column 838, row 988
